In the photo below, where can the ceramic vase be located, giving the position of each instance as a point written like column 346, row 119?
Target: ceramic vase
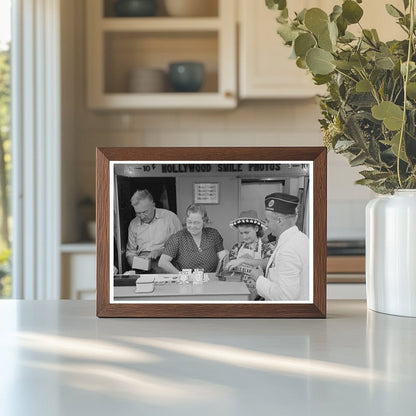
column 391, row 253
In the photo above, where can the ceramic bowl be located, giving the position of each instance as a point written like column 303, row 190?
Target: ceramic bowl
column 186, row 76
column 147, row 80
column 135, row 8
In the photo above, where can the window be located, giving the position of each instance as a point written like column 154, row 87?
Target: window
column 5, row 147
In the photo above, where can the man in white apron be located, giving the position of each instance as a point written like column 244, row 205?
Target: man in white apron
column 287, row 272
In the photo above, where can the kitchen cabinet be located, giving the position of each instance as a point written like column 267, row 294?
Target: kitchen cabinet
column 118, row 45
column 78, row 264
column 265, row 70
column 346, row 277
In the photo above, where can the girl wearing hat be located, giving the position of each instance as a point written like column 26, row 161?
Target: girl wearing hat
column 251, row 251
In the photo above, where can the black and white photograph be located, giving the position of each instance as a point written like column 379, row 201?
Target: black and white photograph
column 192, row 232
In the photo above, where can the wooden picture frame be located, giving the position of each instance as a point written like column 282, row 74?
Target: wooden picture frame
column 239, row 167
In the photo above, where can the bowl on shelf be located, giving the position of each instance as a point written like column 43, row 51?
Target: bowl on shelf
column 135, row 8
column 186, row 76
column 147, row 80
column 191, row 8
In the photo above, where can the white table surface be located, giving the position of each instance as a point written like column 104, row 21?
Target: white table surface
column 57, row 358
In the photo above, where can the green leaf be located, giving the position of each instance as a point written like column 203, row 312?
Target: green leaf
column 405, row 21
column 384, row 62
column 374, row 174
column 319, row 61
column 411, row 90
column 316, row 20
column 412, row 67
column 393, row 11
column 365, row 182
column 281, row 20
column 382, row 89
column 391, row 114
column 368, row 36
column 301, row 15
column 362, row 99
column 343, row 145
column 345, row 65
column 394, row 143
column 354, row 132
column 411, row 124
column 325, row 42
column 375, row 35
column 406, row 4
column 342, row 25
column 351, row 11
column 321, row 79
column 334, row 92
column 374, row 150
column 347, row 37
column 303, row 43
column 359, row 160
column 358, row 61
column 276, row 4
column 333, row 32
column 336, row 12
column 363, row 86
column 287, row 33
column 301, row 63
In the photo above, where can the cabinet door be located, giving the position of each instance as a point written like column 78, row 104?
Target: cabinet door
column 266, row 71
column 78, row 276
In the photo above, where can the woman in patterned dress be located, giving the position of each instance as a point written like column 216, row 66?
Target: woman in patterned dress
column 252, row 251
column 195, row 247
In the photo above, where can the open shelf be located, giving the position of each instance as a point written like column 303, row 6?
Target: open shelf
column 118, row 45
column 127, row 51
column 161, row 24
column 209, row 9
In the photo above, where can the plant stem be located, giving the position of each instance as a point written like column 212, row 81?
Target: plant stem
column 405, row 81
column 346, row 75
column 373, row 88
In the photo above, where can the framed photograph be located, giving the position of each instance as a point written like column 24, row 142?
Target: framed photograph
column 206, row 193
column 211, row 232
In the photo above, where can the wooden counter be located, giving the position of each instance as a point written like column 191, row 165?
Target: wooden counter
column 345, row 269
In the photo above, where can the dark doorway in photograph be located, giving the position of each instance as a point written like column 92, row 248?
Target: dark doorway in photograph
column 163, row 191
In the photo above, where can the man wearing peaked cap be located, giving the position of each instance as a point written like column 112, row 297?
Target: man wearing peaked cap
column 287, row 272
column 282, row 203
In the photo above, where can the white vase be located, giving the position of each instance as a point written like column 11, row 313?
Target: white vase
column 391, row 253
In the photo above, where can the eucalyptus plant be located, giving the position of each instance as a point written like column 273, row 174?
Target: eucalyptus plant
column 369, row 111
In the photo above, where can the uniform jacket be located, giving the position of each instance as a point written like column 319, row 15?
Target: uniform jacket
column 287, row 272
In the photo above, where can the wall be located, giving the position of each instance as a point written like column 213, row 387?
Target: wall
column 218, row 214
column 253, row 123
